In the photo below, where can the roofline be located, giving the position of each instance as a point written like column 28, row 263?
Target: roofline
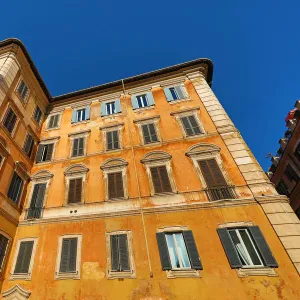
column 111, row 84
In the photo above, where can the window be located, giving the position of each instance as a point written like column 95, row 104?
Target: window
column 80, row 115
column 78, row 147
column 15, row 188
column 75, row 190
column 112, row 140
column 217, row 187
column 53, row 121
column 3, row 249
column 246, row 247
column 178, row 251
column 10, row 120
column 282, row 188
column 44, row 152
column 110, row 107
column 28, row 145
column 291, row 174
column 22, row 90
column 68, row 257
column 37, row 201
column 37, row 114
column 149, row 133
column 141, row 101
column 176, row 92
column 297, row 152
column 160, row 179
column 115, row 185
column 23, row 261
column 190, row 125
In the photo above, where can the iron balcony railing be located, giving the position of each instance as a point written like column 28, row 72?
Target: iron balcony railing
column 34, row 213
column 220, row 192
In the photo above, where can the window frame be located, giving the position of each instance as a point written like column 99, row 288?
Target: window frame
column 13, row 132
column 34, row 143
column 73, row 136
column 6, row 254
column 112, row 108
column 68, row 275
column 25, row 276
column 183, row 90
column 106, row 129
column 25, row 99
column 41, row 115
column 59, row 114
column 142, row 100
column 153, row 120
column 53, row 141
column 120, row 274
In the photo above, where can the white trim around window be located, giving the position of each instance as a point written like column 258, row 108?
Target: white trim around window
column 155, row 122
column 77, row 135
column 118, row 128
column 59, row 114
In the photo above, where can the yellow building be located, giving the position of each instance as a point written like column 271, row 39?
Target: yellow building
column 140, row 188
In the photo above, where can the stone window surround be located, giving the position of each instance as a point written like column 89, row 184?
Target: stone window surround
column 151, row 120
column 73, row 275
column 176, row 82
column 42, row 176
column 184, row 273
column 160, row 158
column 58, row 122
column 114, row 165
column 253, row 271
column 81, row 172
column 4, row 152
column 6, row 252
column 209, row 151
column 23, row 101
column 142, row 91
column 16, row 111
column 26, row 276
column 113, row 127
column 78, row 107
column 51, row 140
column 74, row 135
column 186, row 113
column 117, row 275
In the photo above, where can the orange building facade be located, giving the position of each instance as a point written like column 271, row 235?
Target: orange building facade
column 137, row 189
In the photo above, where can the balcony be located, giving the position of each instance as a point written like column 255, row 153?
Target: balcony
column 283, row 142
column 34, row 213
column 220, row 192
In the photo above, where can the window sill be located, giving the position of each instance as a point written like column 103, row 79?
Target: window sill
column 261, row 271
column 111, row 115
column 180, row 100
column 144, row 108
column 53, row 128
column 80, row 122
column 116, row 199
column 164, row 194
column 183, row 274
column 73, row 275
column 113, row 150
column 79, row 156
column 44, row 162
column 26, row 276
column 121, row 275
column 190, row 137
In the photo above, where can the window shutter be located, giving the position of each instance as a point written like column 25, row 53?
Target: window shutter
column 28, row 145
column 55, row 121
column 80, row 146
column 38, row 195
column 150, row 98
column 74, row 116
column 123, row 253
column 146, row 134
column 75, row 147
column 39, row 153
column 111, row 186
column 179, row 92
column 75, row 190
column 192, row 250
column 155, row 180
column 229, row 248
column 263, row 247
column 109, row 140
column 103, row 109
column 114, row 251
column 134, row 102
column 187, row 126
column 194, row 125
column 51, row 122
column 73, row 255
column 119, row 185
column 3, row 248
column 152, row 132
column 15, row 188
column 49, row 152
column 160, row 179
column 12, row 186
column 211, row 172
column 115, row 185
column 87, row 112
column 163, row 251
column 168, row 94
column 68, row 255
column 115, row 139
column 118, row 106
column 24, row 257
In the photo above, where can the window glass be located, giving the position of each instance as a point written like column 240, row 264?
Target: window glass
column 22, row 90
column 80, row 115
column 142, row 100
column 174, row 93
column 110, row 108
column 10, row 120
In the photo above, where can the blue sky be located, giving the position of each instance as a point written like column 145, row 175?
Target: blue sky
column 254, row 46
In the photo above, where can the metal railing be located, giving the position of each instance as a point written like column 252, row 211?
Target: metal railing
column 34, row 213
column 220, row 192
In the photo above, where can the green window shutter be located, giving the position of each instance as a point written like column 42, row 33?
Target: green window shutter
column 3, row 248
column 150, row 99
column 114, row 252
column 163, row 251
column 192, row 250
column 24, row 257
column 74, row 116
column 103, row 109
column 152, row 132
column 211, row 172
column 49, row 151
column 168, row 94
column 179, row 92
column 118, row 106
column 134, row 102
column 123, row 253
column 263, row 247
column 68, row 255
column 229, row 248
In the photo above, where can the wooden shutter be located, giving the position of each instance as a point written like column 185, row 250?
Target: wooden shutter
column 10, row 120
column 263, row 247
column 146, row 134
column 24, row 257
column 123, row 253
column 109, row 140
column 187, row 126
column 15, row 188
column 87, row 112
column 194, row 125
column 152, row 131
column 49, row 151
column 160, row 179
column 163, row 251
column 38, row 195
column 74, row 116
column 75, row 147
column 68, row 255
column 229, row 248
column 114, row 252
column 211, row 172
column 28, row 145
column 53, row 122
column 39, row 153
column 192, row 250
column 80, row 146
column 115, row 139
column 115, row 185
column 75, row 190
column 3, row 248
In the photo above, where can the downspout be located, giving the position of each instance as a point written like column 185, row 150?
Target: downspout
column 138, row 185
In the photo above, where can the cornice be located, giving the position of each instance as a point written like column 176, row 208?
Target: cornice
column 111, row 125
column 184, row 110
column 83, row 132
column 147, row 119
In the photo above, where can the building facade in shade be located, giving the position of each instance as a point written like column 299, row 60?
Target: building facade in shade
column 140, row 188
column 285, row 169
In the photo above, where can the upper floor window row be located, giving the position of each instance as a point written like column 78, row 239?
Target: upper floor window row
column 81, row 114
